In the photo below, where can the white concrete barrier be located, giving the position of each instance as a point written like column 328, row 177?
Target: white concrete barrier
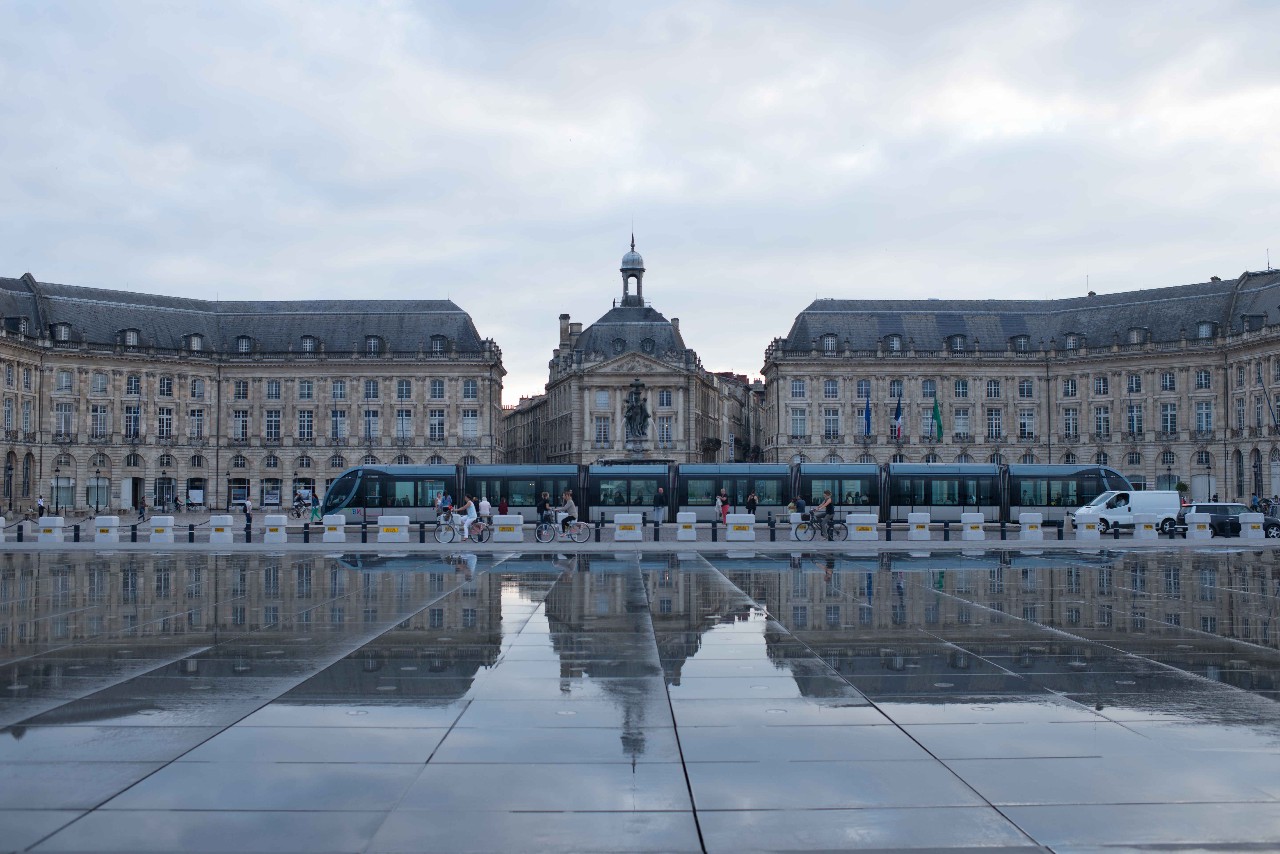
column 274, row 532
column 1088, row 530
column 628, row 527
column 335, row 528
column 685, row 530
column 106, row 529
column 508, row 529
column 862, row 526
column 393, row 529
column 1146, row 526
column 1198, row 526
column 971, row 526
column 740, row 527
column 795, row 519
column 162, row 529
column 1030, row 526
column 1251, row 526
column 220, row 530
column 50, row 529
column 918, row 526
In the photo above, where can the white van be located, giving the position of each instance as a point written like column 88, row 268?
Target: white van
column 1116, row 507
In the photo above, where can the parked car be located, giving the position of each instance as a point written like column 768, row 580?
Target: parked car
column 1224, row 518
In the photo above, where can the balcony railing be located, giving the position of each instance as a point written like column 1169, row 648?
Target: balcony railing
column 198, row 441
column 403, row 441
column 1073, row 438
column 272, row 442
column 832, row 439
column 134, row 438
column 99, row 438
column 338, row 441
column 304, row 442
column 1130, row 436
column 868, row 439
column 798, row 439
column 1027, row 438
column 469, row 442
column 372, row 441
column 240, row 442
column 1201, row 435
column 65, row 438
column 962, row 437
column 1167, row 436
column 1102, row 437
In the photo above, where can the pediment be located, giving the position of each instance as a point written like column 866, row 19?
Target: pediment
column 630, row 364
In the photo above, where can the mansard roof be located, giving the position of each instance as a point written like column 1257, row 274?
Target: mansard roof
column 1165, row 313
column 98, row 316
column 632, row 326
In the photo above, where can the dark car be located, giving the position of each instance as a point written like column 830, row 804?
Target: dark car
column 1224, row 518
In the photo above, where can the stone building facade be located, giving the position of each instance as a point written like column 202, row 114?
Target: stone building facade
column 1170, row 385
column 693, row 415
column 112, row 399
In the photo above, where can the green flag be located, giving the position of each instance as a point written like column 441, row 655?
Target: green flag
column 937, row 419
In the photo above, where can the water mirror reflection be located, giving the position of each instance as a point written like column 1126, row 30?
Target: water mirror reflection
column 681, row 702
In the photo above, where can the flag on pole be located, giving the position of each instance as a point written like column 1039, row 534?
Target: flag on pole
column 897, row 419
column 937, row 420
column 866, row 418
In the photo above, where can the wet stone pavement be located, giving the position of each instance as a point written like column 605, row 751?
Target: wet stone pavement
column 1017, row 700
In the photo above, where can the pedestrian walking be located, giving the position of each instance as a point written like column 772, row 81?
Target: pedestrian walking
column 752, row 503
column 40, row 505
column 660, row 505
column 142, row 509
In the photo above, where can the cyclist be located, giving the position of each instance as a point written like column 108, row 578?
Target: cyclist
column 544, row 508
column 569, row 509
column 825, row 513
column 467, row 509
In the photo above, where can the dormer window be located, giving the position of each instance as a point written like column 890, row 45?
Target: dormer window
column 244, row 344
column 62, row 332
column 195, row 343
column 22, row 325
column 893, row 343
column 372, row 345
column 308, row 344
column 956, row 343
column 1137, row 335
column 828, row 343
column 437, row 343
column 131, row 337
column 1072, row 341
column 1206, row 329
column 1021, row 343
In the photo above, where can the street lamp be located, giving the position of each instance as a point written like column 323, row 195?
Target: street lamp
column 228, row 492
column 8, row 484
column 57, row 482
column 1168, row 477
column 164, row 492
column 97, row 486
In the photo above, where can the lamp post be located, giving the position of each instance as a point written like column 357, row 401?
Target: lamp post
column 1208, row 481
column 8, row 484
column 1168, row 477
column 164, row 492
column 228, row 492
column 57, row 482
column 97, row 487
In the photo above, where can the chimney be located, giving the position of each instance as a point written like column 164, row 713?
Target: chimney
column 575, row 329
column 564, row 330
column 675, row 324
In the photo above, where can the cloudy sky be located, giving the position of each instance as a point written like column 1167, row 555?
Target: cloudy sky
column 497, row 154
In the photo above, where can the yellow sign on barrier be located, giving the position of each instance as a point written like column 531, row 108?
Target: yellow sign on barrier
column 686, row 526
column 1147, row 526
column 331, row 528
column 391, row 530
column 920, row 526
column 272, row 530
column 742, row 527
column 1254, row 526
column 156, row 530
column 863, row 528
column 971, row 527
column 626, row 527
column 104, row 530
column 506, row 529
column 46, row 530
column 219, row 530
column 1032, row 526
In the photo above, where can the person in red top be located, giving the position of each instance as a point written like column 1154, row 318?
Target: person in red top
column 502, row 506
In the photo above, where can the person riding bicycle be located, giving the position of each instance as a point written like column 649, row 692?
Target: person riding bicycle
column 467, row 509
column 825, row 512
column 569, row 509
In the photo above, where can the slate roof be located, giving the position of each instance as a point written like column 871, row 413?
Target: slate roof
column 632, row 325
column 98, row 316
column 1102, row 319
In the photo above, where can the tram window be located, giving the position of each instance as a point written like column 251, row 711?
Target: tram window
column 769, row 491
column 642, row 491
column 371, row 491
column 340, row 491
column 401, row 493
column 613, row 492
column 524, row 493
column 702, row 491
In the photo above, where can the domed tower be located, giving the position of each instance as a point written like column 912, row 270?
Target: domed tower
column 632, row 268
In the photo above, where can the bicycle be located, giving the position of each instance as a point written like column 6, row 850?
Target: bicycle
column 829, row 529
column 447, row 530
column 578, row 531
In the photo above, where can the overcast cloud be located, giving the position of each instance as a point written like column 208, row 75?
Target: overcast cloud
column 768, row 153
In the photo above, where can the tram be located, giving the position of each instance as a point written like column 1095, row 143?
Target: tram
column 998, row 492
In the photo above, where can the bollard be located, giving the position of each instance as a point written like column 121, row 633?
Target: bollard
column 1004, row 533
column 220, row 530
column 19, row 532
column 656, row 531
column 888, row 531
column 946, row 532
column 422, row 532
column 599, row 526
column 773, row 529
column 191, row 533
column 248, row 532
column 306, row 532
column 862, row 526
column 1198, row 526
column 51, row 529
column 644, row 518
column 133, row 533
column 918, row 526
column 1062, row 529
column 364, row 532
column 1115, row 532
column 714, row 535
column 1146, row 526
column 75, row 533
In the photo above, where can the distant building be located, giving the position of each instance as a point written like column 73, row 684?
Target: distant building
column 112, row 398
column 1169, row 385
column 633, row 355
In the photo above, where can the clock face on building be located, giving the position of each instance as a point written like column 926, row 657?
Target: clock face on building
column 647, row 345
column 619, row 345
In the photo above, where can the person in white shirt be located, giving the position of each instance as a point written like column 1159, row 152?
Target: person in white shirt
column 486, row 510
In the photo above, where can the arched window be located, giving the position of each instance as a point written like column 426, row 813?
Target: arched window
column 1133, row 458
column 402, row 460
column 271, row 462
column 469, row 460
column 337, row 462
column 898, row 458
column 964, row 458
column 64, row 461
column 1101, row 458
column 304, row 462
column 828, row 343
column 197, row 462
column 931, row 458
column 833, row 459
column 239, row 462
column 133, row 461
column 1028, row 458
column 1069, row 459
column 436, row 460
column 166, row 461
column 866, row 458
column 28, row 462
column 996, row 459
column 369, row 460
column 1168, row 458
column 100, row 461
